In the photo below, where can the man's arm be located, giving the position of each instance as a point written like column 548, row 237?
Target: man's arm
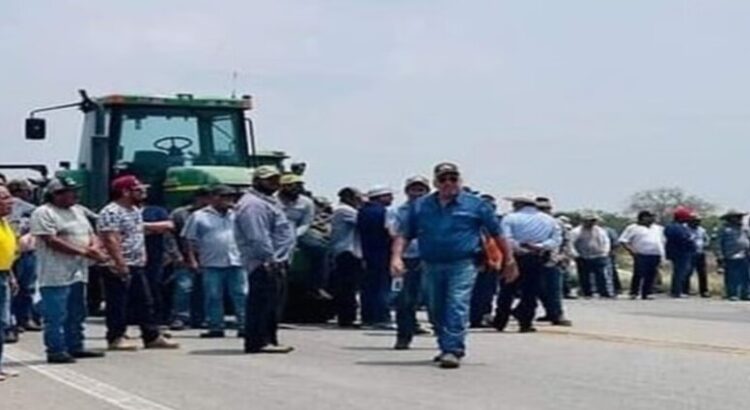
column 307, row 219
column 111, row 242
column 158, row 227
column 555, row 240
column 252, row 223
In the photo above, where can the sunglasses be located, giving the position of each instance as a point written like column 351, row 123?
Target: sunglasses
column 448, row 178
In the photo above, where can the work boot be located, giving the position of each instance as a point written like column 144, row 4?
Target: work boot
column 87, row 354
column 450, row 361
column 60, row 358
column 122, row 345
column 562, row 322
column 31, row 326
column 500, row 322
column 162, row 343
column 402, row 344
column 212, row 334
column 11, row 337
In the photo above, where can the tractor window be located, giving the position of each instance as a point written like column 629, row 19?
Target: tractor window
column 154, row 138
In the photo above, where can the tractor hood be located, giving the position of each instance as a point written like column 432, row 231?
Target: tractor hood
column 181, row 179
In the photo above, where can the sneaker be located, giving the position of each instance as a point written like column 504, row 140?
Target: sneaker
column 60, row 358
column 162, row 343
column 213, row 334
column 527, row 329
column 402, row 344
column 122, row 345
column 450, row 361
column 87, row 354
column 177, row 326
column 272, row 349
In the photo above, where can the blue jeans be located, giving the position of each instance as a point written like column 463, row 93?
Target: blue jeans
column 682, row 265
column 449, row 287
column 551, row 284
column 4, row 310
column 736, row 277
column 215, row 281
column 63, row 313
column 23, row 305
column 408, row 300
column 187, row 306
column 600, row 270
column 375, row 292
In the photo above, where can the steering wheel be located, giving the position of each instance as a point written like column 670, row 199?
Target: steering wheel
column 174, row 149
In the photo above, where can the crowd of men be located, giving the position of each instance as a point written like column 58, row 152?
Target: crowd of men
column 446, row 247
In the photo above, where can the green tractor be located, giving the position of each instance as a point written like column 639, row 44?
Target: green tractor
column 175, row 144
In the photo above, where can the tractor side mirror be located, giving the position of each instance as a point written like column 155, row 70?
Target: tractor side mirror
column 36, row 129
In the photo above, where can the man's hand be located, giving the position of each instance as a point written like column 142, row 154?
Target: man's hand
column 510, row 272
column 95, row 254
column 13, row 285
column 121, row 270
column 397, row 267
column 192, row 264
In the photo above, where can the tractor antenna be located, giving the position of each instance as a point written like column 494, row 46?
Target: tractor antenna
column 234, row 84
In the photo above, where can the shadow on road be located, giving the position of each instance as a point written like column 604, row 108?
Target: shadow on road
column 398, row 363
column 218, row 352
column 380, row 348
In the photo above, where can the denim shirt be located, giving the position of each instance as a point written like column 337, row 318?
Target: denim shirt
column 532, row 226
column 734, row 242
column 450, row 233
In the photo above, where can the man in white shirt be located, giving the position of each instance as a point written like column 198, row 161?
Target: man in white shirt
column 644, row 240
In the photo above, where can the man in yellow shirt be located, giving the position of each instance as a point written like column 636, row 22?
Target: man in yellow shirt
column 8, row 253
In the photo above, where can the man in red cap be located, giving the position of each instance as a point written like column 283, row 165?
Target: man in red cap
column 680, row 249
column 123, row 231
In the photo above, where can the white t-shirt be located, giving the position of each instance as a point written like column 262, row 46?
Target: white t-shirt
column 644, row 240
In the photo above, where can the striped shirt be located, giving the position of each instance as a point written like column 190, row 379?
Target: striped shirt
column 531, row 226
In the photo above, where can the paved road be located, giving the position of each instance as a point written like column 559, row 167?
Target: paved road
column 665, row 354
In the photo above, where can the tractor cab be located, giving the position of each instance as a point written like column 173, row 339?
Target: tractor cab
column 175, row 144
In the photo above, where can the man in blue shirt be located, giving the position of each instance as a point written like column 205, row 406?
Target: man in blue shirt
column 408, row 298
column 448, row 225
column 534, row 236
column 702, row 242
column 372, row 224
column 680, row 249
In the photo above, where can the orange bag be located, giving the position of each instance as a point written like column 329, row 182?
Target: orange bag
column 493, row 255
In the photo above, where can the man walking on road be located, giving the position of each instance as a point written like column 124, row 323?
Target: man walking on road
column 265, row 238
column 644, row 240
column 212, row 252
column 66, row 245
column 534, row 236
column 122, row 230
column 408, row 298
column 448, row 225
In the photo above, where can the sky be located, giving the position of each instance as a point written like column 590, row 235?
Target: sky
column 586, row 101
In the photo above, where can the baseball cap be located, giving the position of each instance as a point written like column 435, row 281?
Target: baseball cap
column 417, row 179
column 445, row 168
column 127, row 182
column 266, row 171
column 290, row 179
column 62, row 184
column 523, row 198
